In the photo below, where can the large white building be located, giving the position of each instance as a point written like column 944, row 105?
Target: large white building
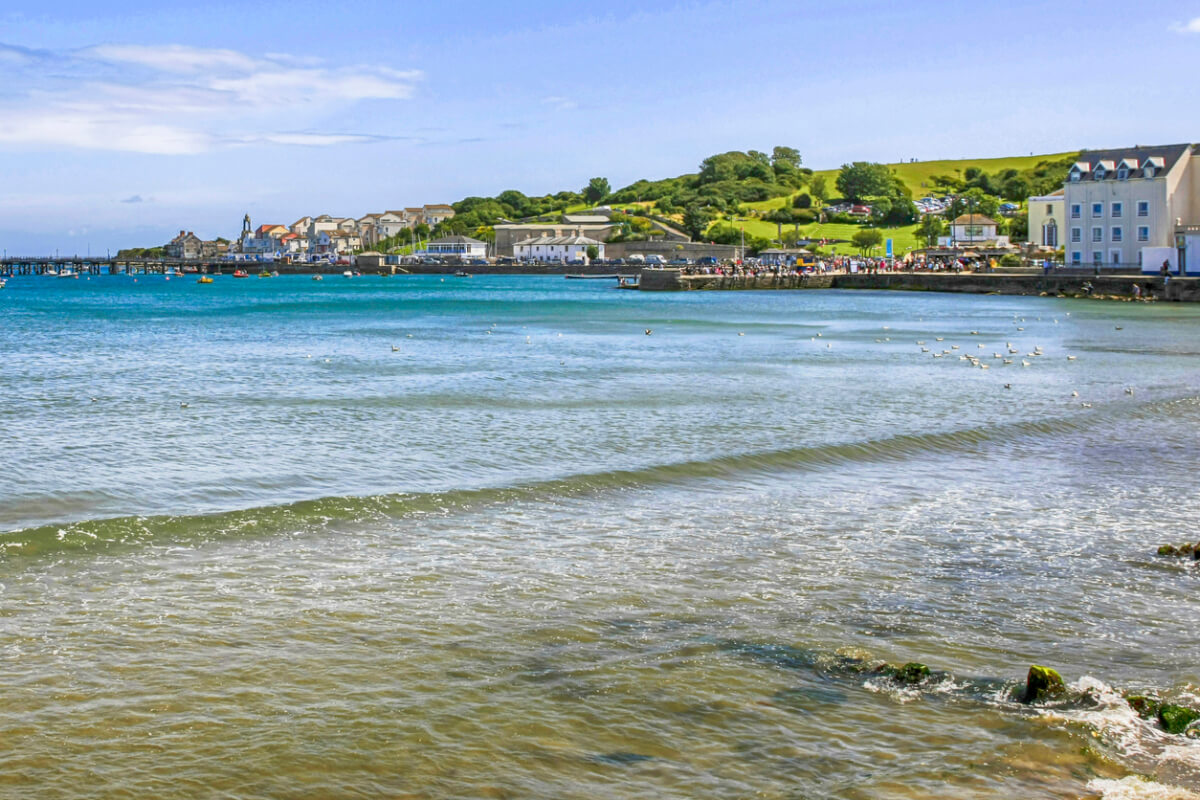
column 557, row 249
column 1123, row 207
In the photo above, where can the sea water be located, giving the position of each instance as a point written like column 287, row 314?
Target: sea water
column 524, row 537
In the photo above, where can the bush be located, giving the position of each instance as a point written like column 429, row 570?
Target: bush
column 802, row 201
column 1010, row 260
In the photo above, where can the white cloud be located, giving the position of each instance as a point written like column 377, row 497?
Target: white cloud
column 177, row 100
column 1191, row 26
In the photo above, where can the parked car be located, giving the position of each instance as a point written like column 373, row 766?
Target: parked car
column 706, row 261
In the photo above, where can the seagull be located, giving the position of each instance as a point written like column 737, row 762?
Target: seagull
column 649, row 331
column 974, row 333
column 920, row 343
column 924, row 349
column 1008, row 361
column 93, row 400
column 979, row 346
column 1020, row 329
column 1120, row 328
column 818, row 336
column 410, row 336
column 941, row 338
column 327, row 361
column 1008, row 386
column 1025, row 363
column 954, row 347
column 395, row 348
column 1128, row 390
column 1071, row 358
column 183, row 405
column 308, row 355
column 742, row 334
column 1086, row 405
column 1074, row 394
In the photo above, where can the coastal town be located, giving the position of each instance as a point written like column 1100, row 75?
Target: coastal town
column 1127, row 210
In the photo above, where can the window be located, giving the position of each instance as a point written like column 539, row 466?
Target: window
column 1123, row 173
column 1117, row 234
column 1097, row 258
column 1049, row 210
column 1114, row 256
column 1076, row 257
column 1117, row 208
column 1143, row 208
column 1050, row 234
column 1076, row 234
column 1097, row 209
column 1075, row 176
column 1100, row 173
column 1143, row 233
column 1076, row 211
column 1148, row 172
column 1097, row 234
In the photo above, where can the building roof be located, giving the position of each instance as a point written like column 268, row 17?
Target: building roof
column 1163, row 157
column 457, row 239
column 974, row 219
column 586, row 218
column 438, row 207
column 557, row 240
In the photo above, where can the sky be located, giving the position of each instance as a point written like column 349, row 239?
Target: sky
column 122, row 123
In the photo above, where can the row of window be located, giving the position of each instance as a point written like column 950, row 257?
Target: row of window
column 1114, row 257
column 1116, row 235
column 1117, row 210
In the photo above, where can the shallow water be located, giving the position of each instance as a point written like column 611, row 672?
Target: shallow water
column 535, row 552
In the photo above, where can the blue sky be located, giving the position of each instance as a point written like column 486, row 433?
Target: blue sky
column 123, row 122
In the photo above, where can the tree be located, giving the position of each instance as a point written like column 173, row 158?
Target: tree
column 864, row 179
column 930, row 228
column 596, row 190
column 802, row 201
column 866, row 240
column 819, row 189
column 593, row 252
column 785, row 156
column 695, row 220
column 1018, row 227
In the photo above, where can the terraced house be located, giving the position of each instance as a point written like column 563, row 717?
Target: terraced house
column 1132, row 208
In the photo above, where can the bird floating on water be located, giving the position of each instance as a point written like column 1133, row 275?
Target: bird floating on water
column 183, row 405
column 1120, row 328
column 1071, row 358
column 1074, row 394
column 1025, row 363
column 649, row 331
column 1128, row 390
column 1008, row 386
column 395, row 348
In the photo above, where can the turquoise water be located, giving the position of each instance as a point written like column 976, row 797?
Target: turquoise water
column 441, row 537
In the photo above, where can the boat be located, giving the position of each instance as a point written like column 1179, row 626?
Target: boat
column 204, row 279
column 317, row 278
column 265, row 274
column 462, row 274
column 612, row 277
column 347, row 274
column 3, row 283
column 241, row 273
column 67, row 272
column 191, row 269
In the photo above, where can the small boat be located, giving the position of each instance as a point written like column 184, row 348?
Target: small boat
column 265, row 274
column 204, row 279
column 317, row 278
column 3, row 283
column 191, row 269
column 593, row 277
column 241, row 273
column 347, row 274
column 462, row 274
column 67, row 272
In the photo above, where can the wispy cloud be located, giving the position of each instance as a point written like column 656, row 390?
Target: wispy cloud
column 137, row 198
column 175, row 99
column 560, row 103
column 1191, row 26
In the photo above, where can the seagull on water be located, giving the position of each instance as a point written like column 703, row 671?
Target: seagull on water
column 649, row 331
column 183, row 405
column 395, row 348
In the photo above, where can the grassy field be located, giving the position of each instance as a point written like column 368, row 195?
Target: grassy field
column 903, row 238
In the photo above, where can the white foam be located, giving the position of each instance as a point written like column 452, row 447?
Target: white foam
column 1135, row 788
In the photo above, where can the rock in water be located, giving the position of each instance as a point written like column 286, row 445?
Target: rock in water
column 912, row 672
column 1042, row 682
column 1168, row 550
column 1145, row 706
column 1175, row 719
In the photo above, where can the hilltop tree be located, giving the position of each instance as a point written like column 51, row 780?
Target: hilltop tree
column 819, row 189
column 864, row 179
column 596, row 190
column 785, row 159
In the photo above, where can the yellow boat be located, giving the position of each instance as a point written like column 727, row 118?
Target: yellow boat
column 204, row 279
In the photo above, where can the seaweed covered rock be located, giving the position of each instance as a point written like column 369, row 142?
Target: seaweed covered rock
column 1176, row 719
column 912, row 672
column 1185, row 550
column 1145, row 705
column 1042, row 683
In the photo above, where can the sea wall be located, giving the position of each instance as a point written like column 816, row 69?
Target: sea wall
column 1120, row 286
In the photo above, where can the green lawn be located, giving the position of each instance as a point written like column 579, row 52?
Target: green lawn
column 903, row 238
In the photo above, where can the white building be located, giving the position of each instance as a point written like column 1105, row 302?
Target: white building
column 1047, row 220
column 557, row 249
column 463, row 247
column 973, row 230
column 1120, row 203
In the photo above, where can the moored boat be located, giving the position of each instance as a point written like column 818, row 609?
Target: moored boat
column 317, row 278
column 574, row 277
column 241, row 273
column 204, row 279
column 347, row 274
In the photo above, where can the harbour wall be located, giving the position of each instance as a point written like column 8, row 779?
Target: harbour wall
column 1119, row 286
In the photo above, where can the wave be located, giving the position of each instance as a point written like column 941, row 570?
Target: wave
column 97, row 535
